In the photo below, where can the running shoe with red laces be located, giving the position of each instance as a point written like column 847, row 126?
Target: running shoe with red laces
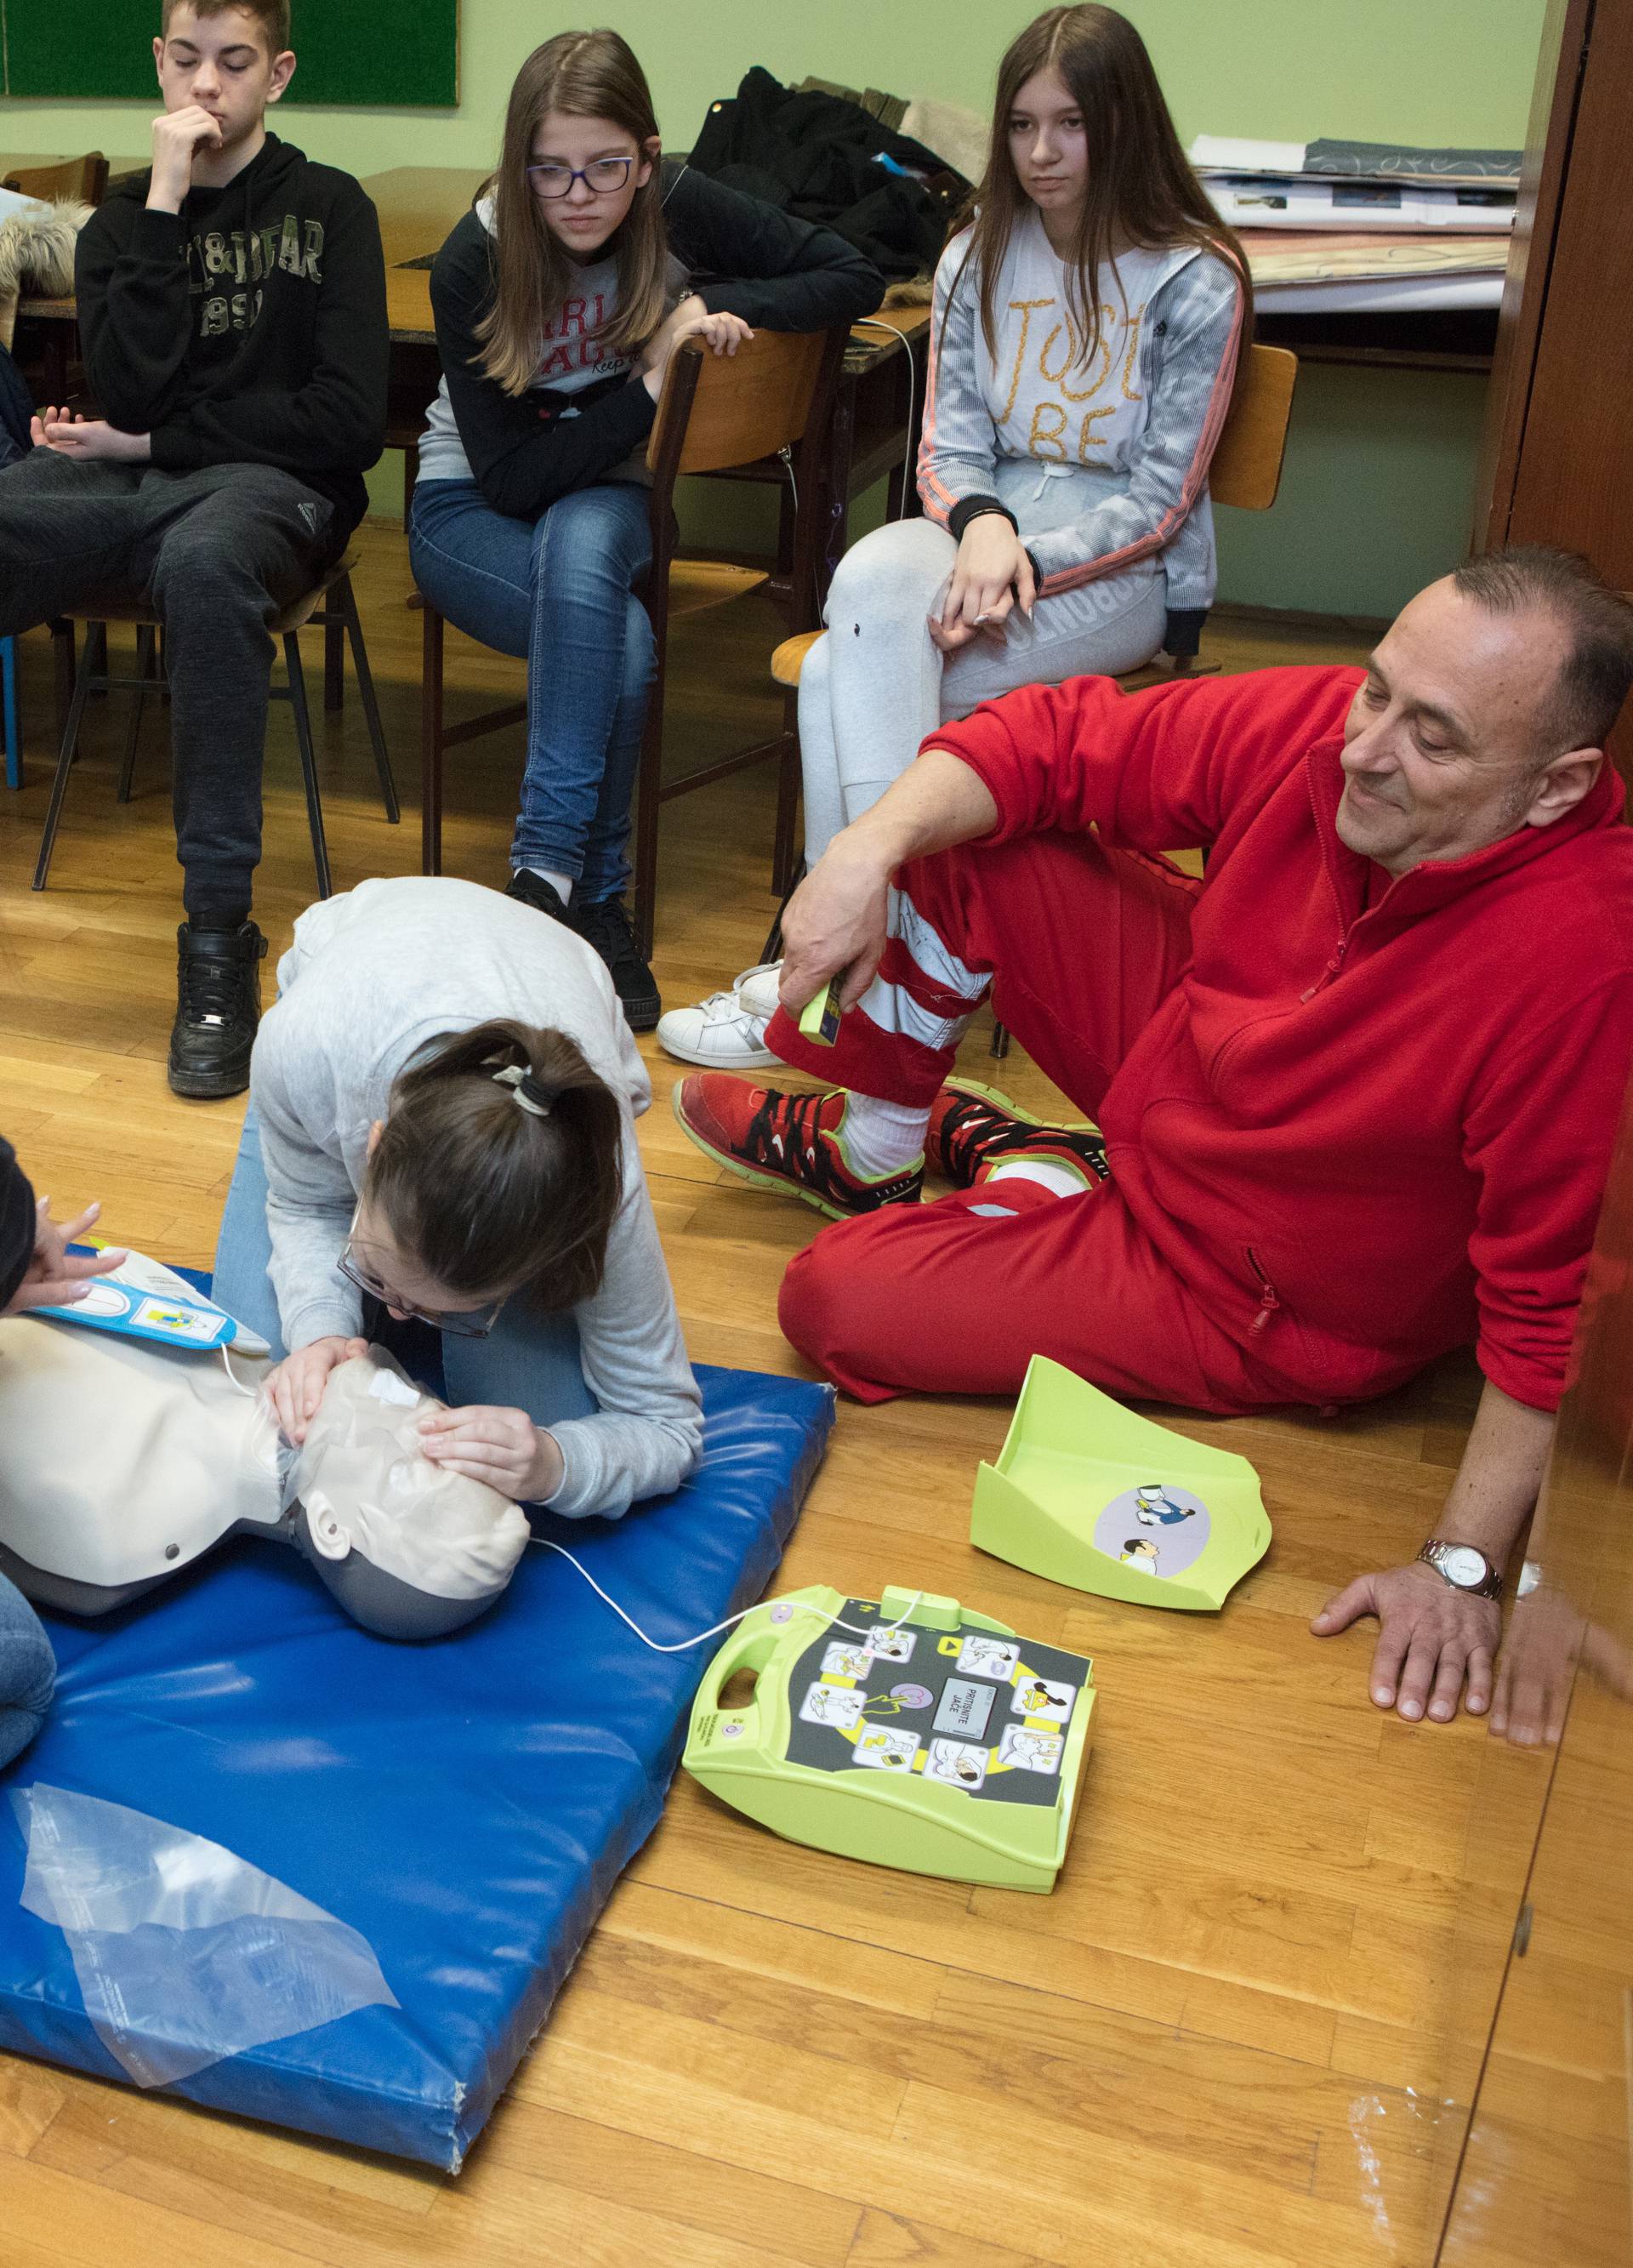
column 974, row 1127
column 792, row 1142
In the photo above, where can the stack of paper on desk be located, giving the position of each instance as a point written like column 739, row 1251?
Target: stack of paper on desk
column 1354, row 225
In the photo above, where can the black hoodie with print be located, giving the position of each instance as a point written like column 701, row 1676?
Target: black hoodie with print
column 17, row 1223
column 249, row 328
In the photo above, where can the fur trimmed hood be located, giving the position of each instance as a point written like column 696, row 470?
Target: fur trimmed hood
column 37, row 248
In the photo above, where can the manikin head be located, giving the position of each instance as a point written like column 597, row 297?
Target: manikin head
column 1485, row 708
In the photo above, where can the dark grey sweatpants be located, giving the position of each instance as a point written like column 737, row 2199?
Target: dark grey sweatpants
column 217, row 554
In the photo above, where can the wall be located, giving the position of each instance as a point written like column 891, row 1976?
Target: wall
column 1387, row 459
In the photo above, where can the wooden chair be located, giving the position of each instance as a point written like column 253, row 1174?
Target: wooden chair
column 80, row 181
column 331, row 605
column 774, row 397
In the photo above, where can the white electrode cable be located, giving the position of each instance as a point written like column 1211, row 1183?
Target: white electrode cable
column 226, row 1364
column 682, row 1646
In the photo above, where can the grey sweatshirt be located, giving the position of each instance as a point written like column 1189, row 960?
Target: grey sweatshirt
column 1131, row 428
column 371, row 977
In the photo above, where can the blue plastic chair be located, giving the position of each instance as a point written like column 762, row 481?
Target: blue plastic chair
column 8, row 710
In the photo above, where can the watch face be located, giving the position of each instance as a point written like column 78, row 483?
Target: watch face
column 1462, row 1564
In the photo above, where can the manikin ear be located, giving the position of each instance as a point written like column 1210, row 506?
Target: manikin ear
column 329, row 1539
column 283, row 72
column 1562, row 785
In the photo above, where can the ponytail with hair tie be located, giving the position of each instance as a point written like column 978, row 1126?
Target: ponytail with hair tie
column 500, row 1165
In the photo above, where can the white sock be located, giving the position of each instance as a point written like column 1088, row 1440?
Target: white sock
column 882, row 1138
column 1049, row 1173
column 562, row 884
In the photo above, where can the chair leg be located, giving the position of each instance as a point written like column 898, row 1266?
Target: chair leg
column 308, row 760
column 13, row 722
column 351, row 626
column 334, row 664
column 649, row 780
column 62, row 661
column 784, row 851
column 147, row 642
column 69, row 749
column 1000, row 1040
column 430, row 741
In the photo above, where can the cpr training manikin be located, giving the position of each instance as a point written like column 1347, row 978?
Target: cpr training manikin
column 136, row 1443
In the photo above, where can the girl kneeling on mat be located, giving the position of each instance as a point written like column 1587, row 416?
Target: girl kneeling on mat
column 559, row 301
column 1086, row 327
column 441, row 1133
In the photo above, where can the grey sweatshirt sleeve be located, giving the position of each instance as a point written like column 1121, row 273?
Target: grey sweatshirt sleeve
column 310, row 1203
column 647, row 1435
column 1197, row 319
column 957, row 456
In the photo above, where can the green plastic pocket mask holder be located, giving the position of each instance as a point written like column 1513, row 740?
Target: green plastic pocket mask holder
column 1085, row 1493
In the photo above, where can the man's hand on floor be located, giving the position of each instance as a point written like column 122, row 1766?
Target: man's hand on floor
column 1433, row 1639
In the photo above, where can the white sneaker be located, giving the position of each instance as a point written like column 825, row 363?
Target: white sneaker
column 722, row 1032
column 757, row 989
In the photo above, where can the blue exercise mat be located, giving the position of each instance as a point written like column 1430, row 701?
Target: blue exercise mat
column 467, row 1806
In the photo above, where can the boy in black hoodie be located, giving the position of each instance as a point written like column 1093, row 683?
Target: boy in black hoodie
column 232, row 315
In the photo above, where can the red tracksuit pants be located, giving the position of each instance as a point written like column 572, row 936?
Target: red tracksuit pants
column 956, row 1297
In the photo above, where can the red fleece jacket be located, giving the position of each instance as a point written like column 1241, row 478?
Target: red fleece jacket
column 1383, row 1132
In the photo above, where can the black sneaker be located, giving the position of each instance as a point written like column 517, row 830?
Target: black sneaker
column 542, row 897
column 217, row 1008
column 607, row 929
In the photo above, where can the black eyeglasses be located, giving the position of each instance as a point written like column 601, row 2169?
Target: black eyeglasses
column 601, row 177
column 462, row 1323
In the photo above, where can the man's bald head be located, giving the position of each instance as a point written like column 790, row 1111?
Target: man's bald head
column 1580, row 707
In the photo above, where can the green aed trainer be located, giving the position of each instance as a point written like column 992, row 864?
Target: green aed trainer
column 906, row 1731
column 1085, row 1492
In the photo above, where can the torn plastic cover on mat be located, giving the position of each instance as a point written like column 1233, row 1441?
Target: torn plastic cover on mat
column 184, row 1953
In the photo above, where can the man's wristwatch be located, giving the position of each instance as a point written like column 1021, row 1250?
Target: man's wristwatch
column 1464, row 1567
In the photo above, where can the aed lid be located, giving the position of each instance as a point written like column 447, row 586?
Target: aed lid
column 1083, row 1492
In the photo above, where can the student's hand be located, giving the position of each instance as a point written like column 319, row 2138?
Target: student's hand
column 70, row 435
column 1433, row 1637
column 295, row 1386
column 55, row 1277
column 990, row 575
column 502, row 1448
column 838, row 919
column 178, row 138
column 721, row 334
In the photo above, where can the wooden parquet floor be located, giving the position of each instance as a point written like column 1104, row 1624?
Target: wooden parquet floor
column 1219, row 2041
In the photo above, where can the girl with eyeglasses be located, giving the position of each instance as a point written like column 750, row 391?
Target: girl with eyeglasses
column 559, row 300
column 440, row 1152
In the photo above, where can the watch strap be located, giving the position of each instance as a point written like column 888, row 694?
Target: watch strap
column 1434, row 1554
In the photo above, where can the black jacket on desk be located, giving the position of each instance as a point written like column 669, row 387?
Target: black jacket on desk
column 249, row 328
column 741, row 258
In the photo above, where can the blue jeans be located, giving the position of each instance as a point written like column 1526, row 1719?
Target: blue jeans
column 526, row 1362
column 27, row 1672
column 559, row 594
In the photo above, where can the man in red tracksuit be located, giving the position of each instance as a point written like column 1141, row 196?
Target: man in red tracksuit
column 1358, row 1090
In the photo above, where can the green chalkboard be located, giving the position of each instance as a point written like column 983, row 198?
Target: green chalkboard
column 363, row 53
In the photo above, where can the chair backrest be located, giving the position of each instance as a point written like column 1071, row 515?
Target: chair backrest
column 720, row 410
column 80, row 180
column 1247, row 466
